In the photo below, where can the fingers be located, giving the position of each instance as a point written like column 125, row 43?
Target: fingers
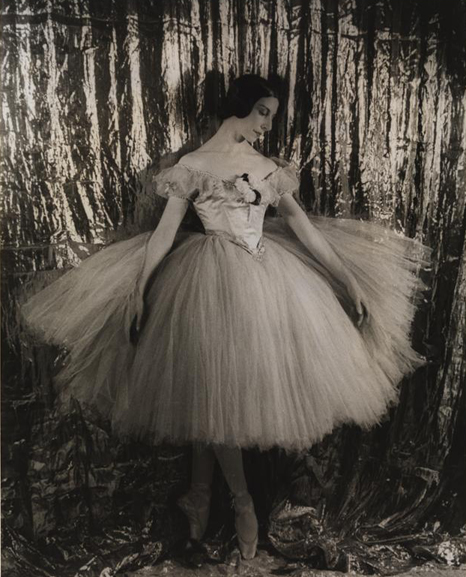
column 136, row 325
column 360, row 319
column 138, row 321
column 134, row 331
column 366, row 311
column 140, row 314
column 362, row 313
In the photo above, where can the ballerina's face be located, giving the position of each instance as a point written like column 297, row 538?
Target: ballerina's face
column 259, row 120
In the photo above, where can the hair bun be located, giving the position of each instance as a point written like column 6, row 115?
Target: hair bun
column 243, row 93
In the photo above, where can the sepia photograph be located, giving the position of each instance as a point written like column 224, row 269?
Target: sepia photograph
column 233, row 303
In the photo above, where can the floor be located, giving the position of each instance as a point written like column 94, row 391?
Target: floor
column 265, row 564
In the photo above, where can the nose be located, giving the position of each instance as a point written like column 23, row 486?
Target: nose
column 266, row 124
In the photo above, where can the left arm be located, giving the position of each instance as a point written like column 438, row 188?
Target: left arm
column 317, row 245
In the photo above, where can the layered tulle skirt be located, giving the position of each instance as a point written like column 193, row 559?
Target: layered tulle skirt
column 235, row 350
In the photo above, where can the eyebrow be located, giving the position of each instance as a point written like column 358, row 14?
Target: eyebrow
column 266, row 107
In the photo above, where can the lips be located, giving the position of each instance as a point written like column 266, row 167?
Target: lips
column 258, row 133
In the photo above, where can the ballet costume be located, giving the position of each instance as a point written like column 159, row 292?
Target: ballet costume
column 248, row 340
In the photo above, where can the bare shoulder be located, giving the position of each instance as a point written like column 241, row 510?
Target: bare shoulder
column 260, row 165
column 268, row 163
column 195, row 160
column 252, row 162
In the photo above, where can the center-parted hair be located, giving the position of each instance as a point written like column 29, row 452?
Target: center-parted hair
column 243, row 93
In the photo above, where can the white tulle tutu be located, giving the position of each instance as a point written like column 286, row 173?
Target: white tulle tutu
column 236, row 351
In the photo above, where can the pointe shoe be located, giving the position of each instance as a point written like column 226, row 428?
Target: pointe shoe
column 195, row 504
column 245, row 514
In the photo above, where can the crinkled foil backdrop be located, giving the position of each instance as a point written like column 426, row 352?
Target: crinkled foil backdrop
column 94, row 93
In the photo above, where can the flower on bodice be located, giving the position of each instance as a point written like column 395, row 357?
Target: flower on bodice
column 248, row 185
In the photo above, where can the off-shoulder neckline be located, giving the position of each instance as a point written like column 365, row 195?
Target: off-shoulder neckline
column 220, row 179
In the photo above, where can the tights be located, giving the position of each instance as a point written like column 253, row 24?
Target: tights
column 231, row 464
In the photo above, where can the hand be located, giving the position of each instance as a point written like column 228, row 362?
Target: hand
column 360, row 307
column 139, row 318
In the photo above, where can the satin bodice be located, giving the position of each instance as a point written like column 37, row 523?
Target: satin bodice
column 226, row 215
column 233, row 210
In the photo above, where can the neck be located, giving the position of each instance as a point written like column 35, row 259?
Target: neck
column 228, row 139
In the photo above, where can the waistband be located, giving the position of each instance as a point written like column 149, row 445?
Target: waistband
column 256, row 253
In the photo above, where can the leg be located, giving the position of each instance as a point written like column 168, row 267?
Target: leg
column 231, row 463
column 203, row 465
column 196, row 503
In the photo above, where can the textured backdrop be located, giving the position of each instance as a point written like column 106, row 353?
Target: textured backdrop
column 373, row 113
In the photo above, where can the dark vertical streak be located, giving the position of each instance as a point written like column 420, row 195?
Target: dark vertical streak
column 331, row 201
column 415, row 207
column 393, row 67
column 370, row 14
column 187, row 112
column 242, row 38
column 302, row 101
column 271, row 144
column 359, row 202
column 395, row 54
column 322, row 132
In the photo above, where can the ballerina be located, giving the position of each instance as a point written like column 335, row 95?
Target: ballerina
column 247, row 334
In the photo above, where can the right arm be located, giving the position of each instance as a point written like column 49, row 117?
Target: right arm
column 162, row 238
column 157, row 248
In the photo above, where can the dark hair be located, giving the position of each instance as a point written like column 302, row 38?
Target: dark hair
column 243, row 93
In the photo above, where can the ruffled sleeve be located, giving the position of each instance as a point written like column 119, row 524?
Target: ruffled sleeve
column 285, row 179
column 157, row 184
column 176, row 181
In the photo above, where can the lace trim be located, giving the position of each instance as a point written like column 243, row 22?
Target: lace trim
column 262, row 184
column 217, row 177
column 256, row 253
column 269, row 186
